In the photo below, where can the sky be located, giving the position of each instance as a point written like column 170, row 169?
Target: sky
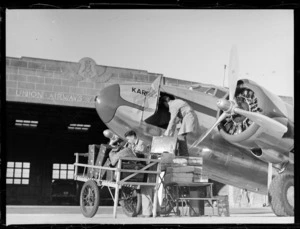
column 191, row 45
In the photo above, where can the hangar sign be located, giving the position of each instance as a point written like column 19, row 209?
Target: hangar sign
column 59, row 96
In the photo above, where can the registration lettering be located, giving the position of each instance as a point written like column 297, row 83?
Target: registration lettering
column 139, row 91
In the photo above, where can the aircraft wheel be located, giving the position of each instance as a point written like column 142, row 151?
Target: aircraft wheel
column 131, row 201
column 281, row 195
column 89, row 199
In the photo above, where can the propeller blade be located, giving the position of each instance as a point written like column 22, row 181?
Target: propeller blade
column 233, row 72
column 220, row 119
column 263, row 121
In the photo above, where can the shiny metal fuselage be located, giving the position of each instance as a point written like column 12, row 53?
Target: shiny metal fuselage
column 223, row 161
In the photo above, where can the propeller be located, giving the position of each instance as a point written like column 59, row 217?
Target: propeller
column 220, row 119
column 230, row 107
column 262, row 120
column 233, row 72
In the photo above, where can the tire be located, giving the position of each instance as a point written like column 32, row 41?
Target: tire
column 130, row 201
column 89, row 199
column 166, row 206
column 281, row 195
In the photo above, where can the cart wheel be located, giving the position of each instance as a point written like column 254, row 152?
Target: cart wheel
column 89, row 199
column 168, row 203
column 166, row 206
column 131, row 201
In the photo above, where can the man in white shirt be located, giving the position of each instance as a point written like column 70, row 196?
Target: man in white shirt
column 127, row 151
column 147, row 192
column 135, row 144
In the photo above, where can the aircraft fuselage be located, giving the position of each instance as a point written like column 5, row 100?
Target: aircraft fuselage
column 122, row 107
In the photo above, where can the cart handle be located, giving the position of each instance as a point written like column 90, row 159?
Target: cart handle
column 81, row 154
column 138, row 159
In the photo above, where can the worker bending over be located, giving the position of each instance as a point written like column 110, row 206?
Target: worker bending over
column 189, row 121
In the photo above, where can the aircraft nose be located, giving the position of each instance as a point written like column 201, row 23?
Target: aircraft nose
column 107, row 102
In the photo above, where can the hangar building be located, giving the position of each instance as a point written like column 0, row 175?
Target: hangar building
column 50, row 116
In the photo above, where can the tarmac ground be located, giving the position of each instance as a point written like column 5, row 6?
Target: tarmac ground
column 23, row 215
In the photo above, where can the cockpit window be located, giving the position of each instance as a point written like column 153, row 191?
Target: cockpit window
column 220, row 94
column 198, row 88
column 211, row 91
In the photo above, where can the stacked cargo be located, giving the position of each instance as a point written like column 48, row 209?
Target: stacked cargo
column 97, row 155
column 92, row 156
column 183, row 169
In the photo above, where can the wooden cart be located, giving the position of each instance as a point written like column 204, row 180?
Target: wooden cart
column 123, row 187
column 130, row 173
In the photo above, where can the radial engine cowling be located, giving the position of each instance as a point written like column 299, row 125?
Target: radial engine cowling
column 244, row 132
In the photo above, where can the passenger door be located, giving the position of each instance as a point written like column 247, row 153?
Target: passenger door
column 151, row 99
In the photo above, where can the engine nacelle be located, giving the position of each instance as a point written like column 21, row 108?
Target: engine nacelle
column 244, row 132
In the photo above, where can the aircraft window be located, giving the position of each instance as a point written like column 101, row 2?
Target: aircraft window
column 211, row 91
column 199, row 88
column 17, row 172
column 220, row 94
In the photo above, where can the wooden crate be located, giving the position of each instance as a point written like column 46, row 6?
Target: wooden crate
column 185, row 169
column 178, row 178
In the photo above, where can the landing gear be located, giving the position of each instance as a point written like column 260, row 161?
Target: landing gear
column 281, row 195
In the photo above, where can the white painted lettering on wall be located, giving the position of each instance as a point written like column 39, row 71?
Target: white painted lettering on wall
column 54, row 96
column 30, row 94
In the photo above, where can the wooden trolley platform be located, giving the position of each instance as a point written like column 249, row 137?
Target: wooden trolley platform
column 117, row 183
column 157, row 170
